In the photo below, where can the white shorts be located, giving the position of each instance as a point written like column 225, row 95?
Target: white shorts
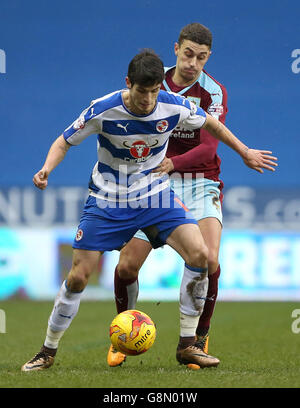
column 200, row 195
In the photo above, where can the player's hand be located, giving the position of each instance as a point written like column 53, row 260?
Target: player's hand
column 260, row 159
column 165, row 167
column 40, row 179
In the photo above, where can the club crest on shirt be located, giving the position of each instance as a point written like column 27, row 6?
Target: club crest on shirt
column 139, row 149
column 195, row 100
column 79, row 235
column 79, row 123
column 162, row 126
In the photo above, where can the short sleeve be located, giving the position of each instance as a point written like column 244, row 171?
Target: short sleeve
column 85, row 125
column 195, row 117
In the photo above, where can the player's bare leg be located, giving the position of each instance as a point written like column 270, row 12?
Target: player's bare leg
column 189, row 243
column 65, row 307
column 132, row 257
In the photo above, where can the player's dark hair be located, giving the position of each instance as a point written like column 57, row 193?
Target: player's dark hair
column 146, row 69
column 197, row 33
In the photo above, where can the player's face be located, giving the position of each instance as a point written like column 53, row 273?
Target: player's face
column 191, row 58
column 142, row 100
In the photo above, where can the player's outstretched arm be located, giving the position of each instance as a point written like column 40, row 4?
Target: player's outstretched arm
column 260, row 159
column 253, row 158
column 55, row 155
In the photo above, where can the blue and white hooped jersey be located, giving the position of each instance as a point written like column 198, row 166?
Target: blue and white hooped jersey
column 130, row 146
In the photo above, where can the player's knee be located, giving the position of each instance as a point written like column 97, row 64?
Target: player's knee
column 198, row 256
column 127, row 268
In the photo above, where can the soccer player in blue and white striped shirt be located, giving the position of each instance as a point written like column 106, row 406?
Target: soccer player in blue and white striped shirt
column 132, row 128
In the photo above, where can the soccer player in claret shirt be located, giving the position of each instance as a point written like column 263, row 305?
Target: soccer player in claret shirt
column 193, row 153
column 133, row 127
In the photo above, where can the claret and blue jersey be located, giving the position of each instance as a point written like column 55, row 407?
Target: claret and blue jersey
column 196, row 151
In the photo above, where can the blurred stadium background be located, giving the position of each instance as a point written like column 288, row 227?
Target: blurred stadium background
column 57, row 56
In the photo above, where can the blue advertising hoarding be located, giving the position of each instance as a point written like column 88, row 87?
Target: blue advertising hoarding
column 255, row 266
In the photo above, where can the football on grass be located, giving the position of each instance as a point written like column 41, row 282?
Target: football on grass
column 132, row 332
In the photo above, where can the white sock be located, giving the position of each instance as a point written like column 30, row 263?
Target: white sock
column 65, row 309
column 52, row 338
column 188, row 325
column 132, row 294
column 193, row 290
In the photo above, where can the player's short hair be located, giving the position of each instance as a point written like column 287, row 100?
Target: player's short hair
column 146, row 69
column 197, row 33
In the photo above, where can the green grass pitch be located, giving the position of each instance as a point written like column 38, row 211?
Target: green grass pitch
column 254, row 341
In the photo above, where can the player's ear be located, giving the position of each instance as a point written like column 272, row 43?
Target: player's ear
column 128, row 83
column 176, row 48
